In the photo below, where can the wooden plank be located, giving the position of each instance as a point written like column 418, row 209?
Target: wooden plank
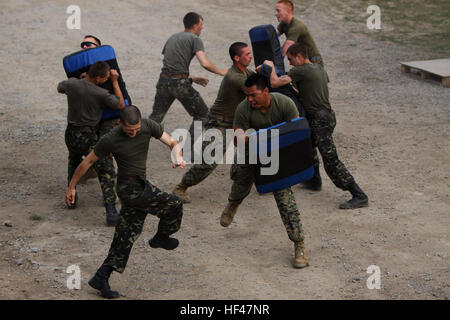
column 439, row 67
column 446, row 82
column 406, row 69
column 425, row 75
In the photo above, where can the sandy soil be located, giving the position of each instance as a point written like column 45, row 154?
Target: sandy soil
column 392, row 133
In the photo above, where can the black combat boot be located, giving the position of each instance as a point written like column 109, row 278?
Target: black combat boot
column 112, row 217
column 163, row 241
column 359, row 199
column 100, row 282
column 315, row 183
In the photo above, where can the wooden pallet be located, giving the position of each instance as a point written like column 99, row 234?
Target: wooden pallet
column 430, row 69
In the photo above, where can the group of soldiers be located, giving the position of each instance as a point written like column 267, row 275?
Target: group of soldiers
column 243, row 102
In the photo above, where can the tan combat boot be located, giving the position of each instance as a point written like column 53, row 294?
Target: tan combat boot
column 228, row 214
column 300, row 260
column 180, row 192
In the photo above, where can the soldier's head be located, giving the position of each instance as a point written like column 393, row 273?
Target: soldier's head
column 130, row 120
column 90, row 42
column 99, row 72
column 257, row 92
column 193, row 22
column 240, row 53
column 297, row 54
column 284, row 11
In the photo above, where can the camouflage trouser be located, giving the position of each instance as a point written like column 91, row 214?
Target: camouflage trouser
column 80, row 141
column 104, row 127
column 242, row 176
column 138, row 199
column 198, row 172
column 168, row 89
column 322, row 126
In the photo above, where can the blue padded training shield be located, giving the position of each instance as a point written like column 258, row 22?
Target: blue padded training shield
column 77, row 63
column 266, row 46
column 295, row 155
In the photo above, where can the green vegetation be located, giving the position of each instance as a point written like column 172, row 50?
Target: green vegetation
column 35, row 217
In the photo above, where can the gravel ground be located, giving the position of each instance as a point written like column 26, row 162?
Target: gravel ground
column 392, row 134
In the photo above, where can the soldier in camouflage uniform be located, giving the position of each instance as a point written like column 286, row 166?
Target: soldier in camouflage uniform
column 175, row 82
column 261, row 110
column 129, row 145
column 107, row 123
column 86, row 101
column 221, row 114
column 312, row 82
column 80, row 141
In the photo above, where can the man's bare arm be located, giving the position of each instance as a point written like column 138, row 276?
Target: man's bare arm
column 205, row 63
column 177, row 153
column 114, row 77
column 199, row 80
column 276, row 81
column 79, row 172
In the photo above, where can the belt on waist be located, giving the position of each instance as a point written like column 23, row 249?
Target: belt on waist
column 175, row 76
column 129, row 178
column 316, row 58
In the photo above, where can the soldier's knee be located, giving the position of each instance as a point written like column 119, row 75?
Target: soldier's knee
column 176, row 206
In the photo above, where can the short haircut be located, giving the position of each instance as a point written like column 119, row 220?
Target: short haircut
column 297, row 48
column 94, row 37
column 99, row 69
column 130, row 115
column 257, row 80
column 287, row 3
column 303, row 44
column 236, row 49
column 191, row 19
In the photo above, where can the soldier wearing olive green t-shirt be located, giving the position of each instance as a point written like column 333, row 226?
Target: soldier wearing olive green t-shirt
column 175, row 81
column 129, row 144
column 295, row 30
column 260, row 110
column 221, row 114
column 311, row 82
column 86, row 101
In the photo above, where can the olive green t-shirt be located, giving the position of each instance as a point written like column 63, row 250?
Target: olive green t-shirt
column 282, row 109
column 129, row 153
column 297, row 29
column 311, row 80
column 178, row 52
column 231, row 93
column 86, row 101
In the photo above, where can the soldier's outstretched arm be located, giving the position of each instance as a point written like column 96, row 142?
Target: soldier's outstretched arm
column 79, row 172
column 177, row 153
column 199, row 80
column 276, row 81
column 205, row 63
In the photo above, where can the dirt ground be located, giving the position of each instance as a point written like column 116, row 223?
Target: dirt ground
column 392, row 134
